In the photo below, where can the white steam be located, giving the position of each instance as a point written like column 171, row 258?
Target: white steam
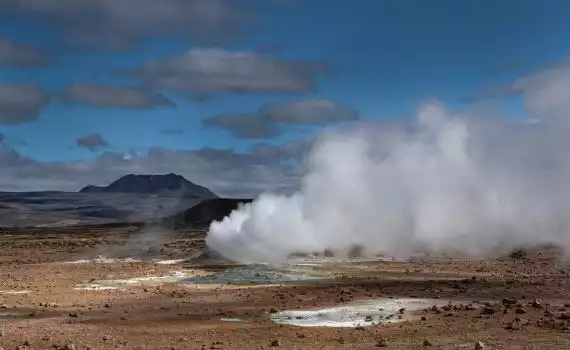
column 442, row 182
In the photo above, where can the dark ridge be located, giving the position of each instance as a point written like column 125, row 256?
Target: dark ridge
column 203, row 213
column 171, row 185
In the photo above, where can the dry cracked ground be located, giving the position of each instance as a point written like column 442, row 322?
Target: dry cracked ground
column 46, row 302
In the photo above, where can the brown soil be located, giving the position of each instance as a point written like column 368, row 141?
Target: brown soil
column 174, row 316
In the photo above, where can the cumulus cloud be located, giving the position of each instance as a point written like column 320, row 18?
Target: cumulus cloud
column 216, row 70
column 2, row 138
column 92, row 142
column 117, row 24
column 107, row 96
column 226, row 172
column 268, row 121
column 21, row 103
column 21, row 56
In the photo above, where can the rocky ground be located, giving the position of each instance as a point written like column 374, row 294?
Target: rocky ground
column 45, row 303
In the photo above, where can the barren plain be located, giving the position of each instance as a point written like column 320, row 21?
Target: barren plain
column 123, row 288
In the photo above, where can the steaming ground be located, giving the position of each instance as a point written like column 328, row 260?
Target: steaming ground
column 444, row 182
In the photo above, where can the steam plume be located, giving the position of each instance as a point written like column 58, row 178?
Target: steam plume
column 441, row 182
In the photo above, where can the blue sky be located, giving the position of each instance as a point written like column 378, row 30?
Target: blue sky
column 385, row 57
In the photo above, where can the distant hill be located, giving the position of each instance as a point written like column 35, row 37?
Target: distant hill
column 171, row 185
column 203, row 213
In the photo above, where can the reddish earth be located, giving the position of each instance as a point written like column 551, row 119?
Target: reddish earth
column 152, row 315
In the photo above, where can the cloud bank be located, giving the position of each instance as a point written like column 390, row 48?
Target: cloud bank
column 270, row 120
column 119, row 24
column 203, row 70
column 108, row 96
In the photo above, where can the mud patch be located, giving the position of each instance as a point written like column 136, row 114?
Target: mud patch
column 102, row 260
column 136, row 281
column 14, row 292
column 260, row 274
column 362, row 314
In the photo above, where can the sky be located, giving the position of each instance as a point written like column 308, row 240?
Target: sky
column 230, row 94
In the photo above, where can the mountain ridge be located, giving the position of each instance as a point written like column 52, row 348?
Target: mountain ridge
column 165, row 185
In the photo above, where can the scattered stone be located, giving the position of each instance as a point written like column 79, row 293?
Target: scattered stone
column 381, row 343
column 427, row 343
column 275, row 343
column 479, row 346
column 73, row 314
column 520, row 310
column 537, row 303
column 68, row 346
column 488, row 310
column 273, row 310
column 517, row 324
column 509, row 302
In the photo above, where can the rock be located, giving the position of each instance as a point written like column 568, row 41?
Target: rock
column 427, row 343
column 273, row 311
column 479, row 346
column 520, row 310
column 73, row 314
column 275, row 343
column 517, row 324
column 509, row 302
column 68, row 346
column 537, row 303
column 381, row 343
column 488, row 310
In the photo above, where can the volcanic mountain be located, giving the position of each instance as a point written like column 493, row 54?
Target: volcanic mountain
column 171, row 185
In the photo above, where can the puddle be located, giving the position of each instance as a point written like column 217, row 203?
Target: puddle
column 260, row 274
column 14, row 292
column 362, row 314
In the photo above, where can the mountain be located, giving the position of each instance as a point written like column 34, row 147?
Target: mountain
column 170, row 185
column 203, row 213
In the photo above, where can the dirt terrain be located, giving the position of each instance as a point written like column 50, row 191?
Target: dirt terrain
column 54, row 295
